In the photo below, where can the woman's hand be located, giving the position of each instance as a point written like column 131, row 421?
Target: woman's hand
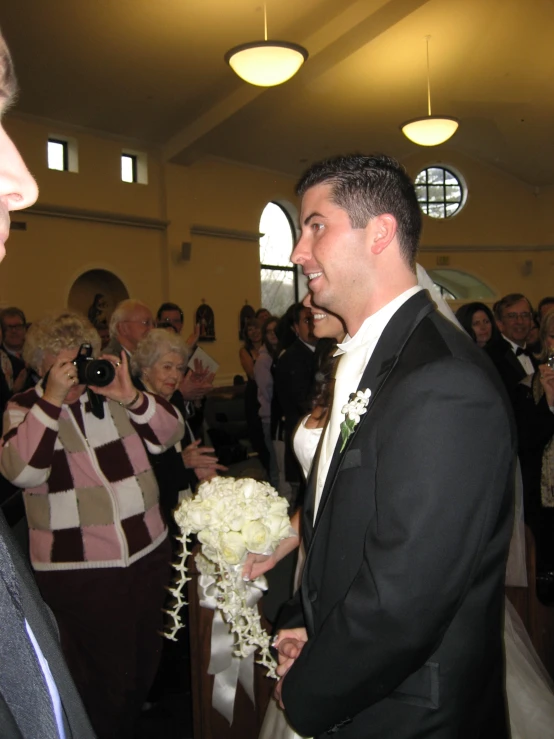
column 121, row 389
column 258, row 564
column 196, row 383
column 62, row 377
column 199, row 457
column 547, row 381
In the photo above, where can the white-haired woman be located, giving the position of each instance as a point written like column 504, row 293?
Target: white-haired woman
column 160, row 362
column 98, row 543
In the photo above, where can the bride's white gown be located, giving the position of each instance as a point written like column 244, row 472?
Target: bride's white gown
column 529, row 689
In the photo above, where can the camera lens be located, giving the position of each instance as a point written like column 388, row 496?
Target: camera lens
column 98, row 372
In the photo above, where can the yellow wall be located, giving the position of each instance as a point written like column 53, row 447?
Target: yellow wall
column 44, row 261
column 508, row 221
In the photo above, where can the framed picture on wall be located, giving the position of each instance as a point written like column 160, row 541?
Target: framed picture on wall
column 206, row 323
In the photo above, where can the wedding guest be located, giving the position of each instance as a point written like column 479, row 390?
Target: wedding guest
column 98, row 543
column 533, row 401
column 478, row 321
column 294, row 376
column 248, row 355
column 509, row 352
column 262, row 314
column 14, row 329
column 264, row 369
column 159, row 362
column 545, row 306
column 129, row 323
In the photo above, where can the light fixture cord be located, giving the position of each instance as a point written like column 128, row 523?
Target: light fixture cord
column 265, row 20
column 428, row 79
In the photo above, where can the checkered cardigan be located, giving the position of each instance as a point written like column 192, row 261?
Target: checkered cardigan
column 90, row 495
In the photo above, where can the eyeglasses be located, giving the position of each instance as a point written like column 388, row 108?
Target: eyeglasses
column 525, row 316
column 14, row 327
column 148, row 322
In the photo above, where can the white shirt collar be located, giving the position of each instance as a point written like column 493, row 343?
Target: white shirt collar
column 374, row 325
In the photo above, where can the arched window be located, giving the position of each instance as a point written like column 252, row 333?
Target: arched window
column 278, row 274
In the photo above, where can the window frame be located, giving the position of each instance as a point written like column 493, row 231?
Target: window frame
column 444, row 202
column 65, row 156
column 281, row 267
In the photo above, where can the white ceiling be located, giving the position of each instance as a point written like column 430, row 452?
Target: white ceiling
column 153, row 71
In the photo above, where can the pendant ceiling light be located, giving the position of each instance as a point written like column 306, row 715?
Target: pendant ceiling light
column 266, row 63
column 433, row 129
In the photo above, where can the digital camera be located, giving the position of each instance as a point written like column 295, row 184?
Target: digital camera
column 90, row 371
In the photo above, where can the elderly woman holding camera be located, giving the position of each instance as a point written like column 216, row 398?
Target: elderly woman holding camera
column 98, row 543
column 160, row 361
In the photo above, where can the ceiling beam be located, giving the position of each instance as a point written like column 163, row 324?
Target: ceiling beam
column 337, row 39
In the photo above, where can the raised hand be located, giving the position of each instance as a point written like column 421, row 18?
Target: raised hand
column 62, row 377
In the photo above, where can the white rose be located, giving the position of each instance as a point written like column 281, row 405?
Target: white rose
column 235, row 520
column 232, row 547
column 208, row 537
column 199, row 516
column 257, row 537
column 279, row 527
column 278, row 507
column 247, row 487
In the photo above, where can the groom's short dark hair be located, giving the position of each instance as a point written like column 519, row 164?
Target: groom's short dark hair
column 369, row 186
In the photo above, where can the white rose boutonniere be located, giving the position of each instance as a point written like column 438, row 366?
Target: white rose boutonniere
column 356, row 407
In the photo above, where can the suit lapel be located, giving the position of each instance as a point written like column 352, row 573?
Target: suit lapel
column 384, row 358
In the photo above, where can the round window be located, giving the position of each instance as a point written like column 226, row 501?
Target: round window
column 440, row 192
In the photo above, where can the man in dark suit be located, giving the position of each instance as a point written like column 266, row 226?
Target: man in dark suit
column 294, row 378
column 397, row 630
column 37, row 696
column 514, row 317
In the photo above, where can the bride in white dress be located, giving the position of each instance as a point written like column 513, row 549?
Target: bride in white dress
column 529, row 689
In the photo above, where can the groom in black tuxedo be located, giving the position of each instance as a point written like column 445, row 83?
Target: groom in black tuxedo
column 38, row 699
column 397, row 630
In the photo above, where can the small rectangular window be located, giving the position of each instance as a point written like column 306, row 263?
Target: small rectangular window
column 129, row 169
column 58, row 156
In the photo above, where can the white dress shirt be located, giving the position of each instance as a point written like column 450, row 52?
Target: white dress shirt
column 356, row 351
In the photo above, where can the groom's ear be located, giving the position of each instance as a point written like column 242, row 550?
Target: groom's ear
column 383, row 231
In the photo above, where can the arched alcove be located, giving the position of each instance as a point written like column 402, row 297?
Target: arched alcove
column 96, row 282
column 459, row 285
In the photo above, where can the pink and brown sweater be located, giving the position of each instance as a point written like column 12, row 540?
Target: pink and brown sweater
column 90, row 495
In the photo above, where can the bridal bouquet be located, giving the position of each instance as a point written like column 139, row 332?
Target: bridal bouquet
column 231, row 518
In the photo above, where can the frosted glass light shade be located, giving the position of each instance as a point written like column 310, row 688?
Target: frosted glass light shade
column 266, row 63
column 431, row 130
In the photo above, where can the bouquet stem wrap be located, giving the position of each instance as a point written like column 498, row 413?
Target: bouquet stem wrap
column 228, row 668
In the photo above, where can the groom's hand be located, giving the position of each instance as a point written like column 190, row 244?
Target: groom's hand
column 289, row 644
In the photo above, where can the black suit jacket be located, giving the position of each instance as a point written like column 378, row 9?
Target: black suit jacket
column 294, row 377
column 507, row 364
column 403, row 587
column 25, row 705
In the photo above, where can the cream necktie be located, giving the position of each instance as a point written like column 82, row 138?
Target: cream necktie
column 347, row 378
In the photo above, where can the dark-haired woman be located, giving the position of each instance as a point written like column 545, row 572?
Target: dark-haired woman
column 478, row 321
